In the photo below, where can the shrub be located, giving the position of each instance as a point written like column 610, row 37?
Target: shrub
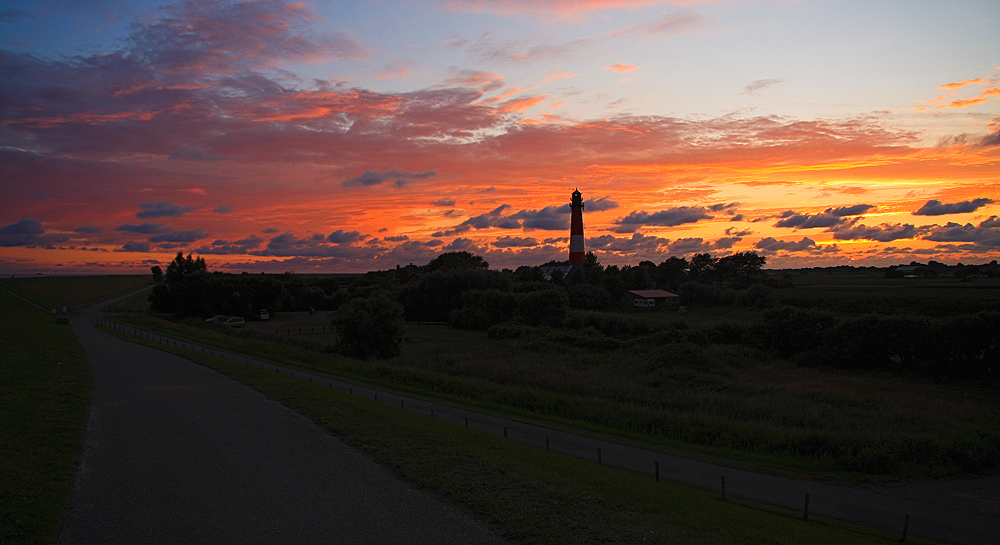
column 757, row 296
column 547, row 307
column 616, row 325
column 789, row 330
column 370, row 328
column 588, row 296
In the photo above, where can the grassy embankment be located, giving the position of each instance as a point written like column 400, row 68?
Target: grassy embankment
column 714, row 401
column 531, row 495
column 46, row 383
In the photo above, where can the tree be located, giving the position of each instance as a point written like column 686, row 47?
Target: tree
column 181, row 267
column 456, row 260
column 702, row 266
column 371, row 328
column 672, row 273
column 157, row 274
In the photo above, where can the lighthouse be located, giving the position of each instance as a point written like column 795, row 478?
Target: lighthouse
column 576, row 249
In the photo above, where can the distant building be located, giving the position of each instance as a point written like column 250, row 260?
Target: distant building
column 649, row 298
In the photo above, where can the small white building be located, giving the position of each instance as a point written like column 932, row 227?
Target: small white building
column 650, row 298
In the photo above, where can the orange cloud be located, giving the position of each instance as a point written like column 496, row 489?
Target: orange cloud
column 622, row 67
column 521, row 104
column 960, row 84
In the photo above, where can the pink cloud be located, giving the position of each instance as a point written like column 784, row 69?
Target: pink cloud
column 622, row 68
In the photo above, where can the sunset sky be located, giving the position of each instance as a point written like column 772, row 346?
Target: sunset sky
column 358, row 135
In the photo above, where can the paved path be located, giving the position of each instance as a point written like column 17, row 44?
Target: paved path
column 942, row 520
column 176, row 453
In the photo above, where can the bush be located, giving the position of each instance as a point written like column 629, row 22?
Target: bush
column 370, row 328
column 588, row 296
column 789, row 330
column 757, row 296
column 619, row 326
column 547, row 307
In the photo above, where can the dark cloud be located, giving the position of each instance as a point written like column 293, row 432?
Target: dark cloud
column 192, row 235
column 881, row 233
column 270, row 230
column 855, row 210
column 664, row 218
column 770, row 244
column 162, row 209
column 223, row 209
column 689, row 245
column 144, row 228
column 444, row 202
column 514, row 242
column 984, row 235
column 372, row 177
column 550, row 218
column 937, row 208
column 729, row 208
column 757, row 85
column 397, row 238
column 601, row 204
column 725, row 242
column 193, row 153
column 992, row 221
column 831, row 217
column 224, row 247
column 317, row 245
column 638, row 243
column 133, row 246
column 732, row 231
column 461, row 243
column 225, row 38
column 26, row 232
column 87, row 229
column 341, row 237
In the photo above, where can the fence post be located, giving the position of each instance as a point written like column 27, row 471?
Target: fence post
column 599, row 461
column 657, row 464
column 505, row 432
column 547, row 442
column 805, row 510
column 906, row 526
column 723, row 488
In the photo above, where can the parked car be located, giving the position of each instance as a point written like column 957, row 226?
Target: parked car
column 235, row 321
column 217, row 319
column 262, row 315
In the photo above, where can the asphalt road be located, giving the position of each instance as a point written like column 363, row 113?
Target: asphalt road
column 176, row 453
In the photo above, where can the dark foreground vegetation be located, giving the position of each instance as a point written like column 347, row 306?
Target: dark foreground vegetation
column 853, row 373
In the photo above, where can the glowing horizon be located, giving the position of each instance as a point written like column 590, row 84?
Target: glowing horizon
column 355, row 136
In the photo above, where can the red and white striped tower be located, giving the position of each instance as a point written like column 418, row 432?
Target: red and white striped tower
column 576, row 249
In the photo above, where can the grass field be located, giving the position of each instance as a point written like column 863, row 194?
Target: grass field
column 719, row 402
column 74, row 292
column 534, row 496
column 45, row 387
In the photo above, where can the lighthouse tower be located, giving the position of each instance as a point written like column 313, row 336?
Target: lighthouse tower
column 576, row 250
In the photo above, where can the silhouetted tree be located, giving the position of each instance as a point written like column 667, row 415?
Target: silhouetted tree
column 181, row 267
column 456, row 260
column 157, row 274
